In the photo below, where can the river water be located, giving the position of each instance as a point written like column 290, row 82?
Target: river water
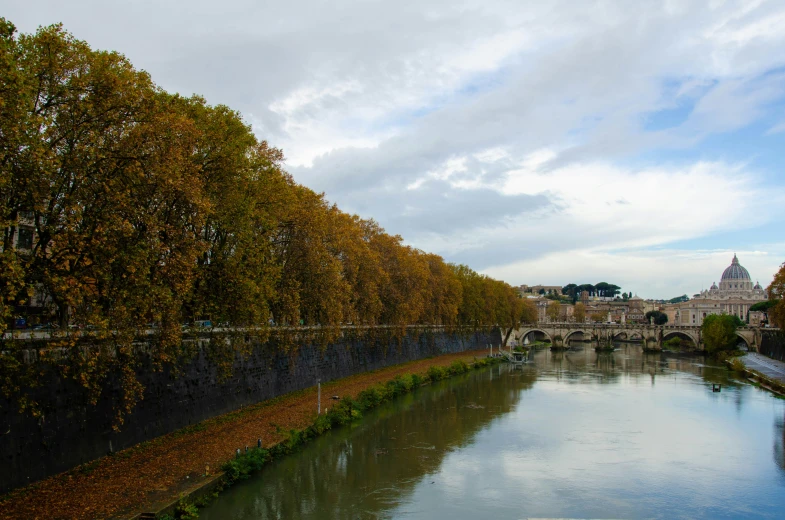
column 573, row 434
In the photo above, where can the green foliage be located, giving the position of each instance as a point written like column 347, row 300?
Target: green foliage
column 436, row 373
column 660, row 318
column 719, row 333
column 764, row 306
column 679, row 299
column 186, row 511
column 242, row 466
column 607, row 290
column 677, row 343
column 737, row 365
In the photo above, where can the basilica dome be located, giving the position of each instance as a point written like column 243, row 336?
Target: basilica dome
column 736, row 272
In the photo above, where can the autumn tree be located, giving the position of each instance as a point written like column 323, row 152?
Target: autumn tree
column 528, row 311
column 579, row 312
column 444, row 292
column 776, row 291
column 553, row 311
column 153, row 207
column 101, row 166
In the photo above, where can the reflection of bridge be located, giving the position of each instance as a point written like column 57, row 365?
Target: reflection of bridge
column 603, row 334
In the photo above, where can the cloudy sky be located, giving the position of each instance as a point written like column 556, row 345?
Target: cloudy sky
column 635, row 142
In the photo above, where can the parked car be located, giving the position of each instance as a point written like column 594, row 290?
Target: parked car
column 46, row 326
column 204, row 324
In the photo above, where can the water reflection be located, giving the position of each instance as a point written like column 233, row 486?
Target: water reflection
column 572, row 434
column 380, row 459
column 778, row 450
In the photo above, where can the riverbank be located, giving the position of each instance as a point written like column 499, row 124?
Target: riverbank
column 158, row 471
column 766, row 372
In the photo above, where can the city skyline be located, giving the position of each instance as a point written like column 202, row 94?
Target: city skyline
column 715, row 259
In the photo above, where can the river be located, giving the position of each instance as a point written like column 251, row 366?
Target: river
column 573, row 434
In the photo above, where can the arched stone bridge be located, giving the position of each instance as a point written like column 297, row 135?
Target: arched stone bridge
column 604, row 334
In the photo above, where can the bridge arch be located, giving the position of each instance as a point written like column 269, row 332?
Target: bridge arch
column 583, row 332
column 681, row 334
column 529, row 330
column 628, row 334
column 746, row 341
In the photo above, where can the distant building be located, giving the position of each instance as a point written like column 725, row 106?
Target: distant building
column 637, row 310
column 757, row 318
column 538, row 289
column 735, row 295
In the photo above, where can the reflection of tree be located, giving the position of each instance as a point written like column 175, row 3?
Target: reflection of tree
column 378, row 461
column 606, row 364
column 375, row 465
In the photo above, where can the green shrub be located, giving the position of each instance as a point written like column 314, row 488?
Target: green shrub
column 247, row 463
column 436, row 374
column 186, row 511
column 343, row 412
column 737, row 365
column 369, row 398
column 459, row 367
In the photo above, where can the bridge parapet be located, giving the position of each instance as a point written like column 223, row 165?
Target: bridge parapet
column 652, row 335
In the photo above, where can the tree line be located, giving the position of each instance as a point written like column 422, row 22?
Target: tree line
column 602, row 289
column 151, row 207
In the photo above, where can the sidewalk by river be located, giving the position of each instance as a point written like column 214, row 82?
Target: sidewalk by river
column 771, row 368
column 155, row 472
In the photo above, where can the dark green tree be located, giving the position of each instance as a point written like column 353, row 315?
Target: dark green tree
column 586, row 287
column 719, row 332
column 764, row 306
column 660, row 318
column 571, row 290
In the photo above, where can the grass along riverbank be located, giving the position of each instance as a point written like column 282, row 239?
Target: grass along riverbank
column 344, row 412
column 152, row 474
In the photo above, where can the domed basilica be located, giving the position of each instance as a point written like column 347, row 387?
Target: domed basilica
column 735, row 295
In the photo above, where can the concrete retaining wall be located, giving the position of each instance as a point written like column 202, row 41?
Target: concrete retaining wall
column 72, row 432
column 773, row 344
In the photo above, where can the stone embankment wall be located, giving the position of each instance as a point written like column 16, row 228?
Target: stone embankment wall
column 72, row 432
column 773, row 344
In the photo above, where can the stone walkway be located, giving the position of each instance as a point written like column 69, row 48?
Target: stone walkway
column 771, row 368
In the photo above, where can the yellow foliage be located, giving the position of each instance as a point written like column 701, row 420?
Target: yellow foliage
column 776, row 291
column 153, row 207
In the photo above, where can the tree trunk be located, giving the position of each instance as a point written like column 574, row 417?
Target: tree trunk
column 507, row 336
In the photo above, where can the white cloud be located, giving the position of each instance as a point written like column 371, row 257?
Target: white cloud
column 776, row 129
column 492, row 131
column 664, row 273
